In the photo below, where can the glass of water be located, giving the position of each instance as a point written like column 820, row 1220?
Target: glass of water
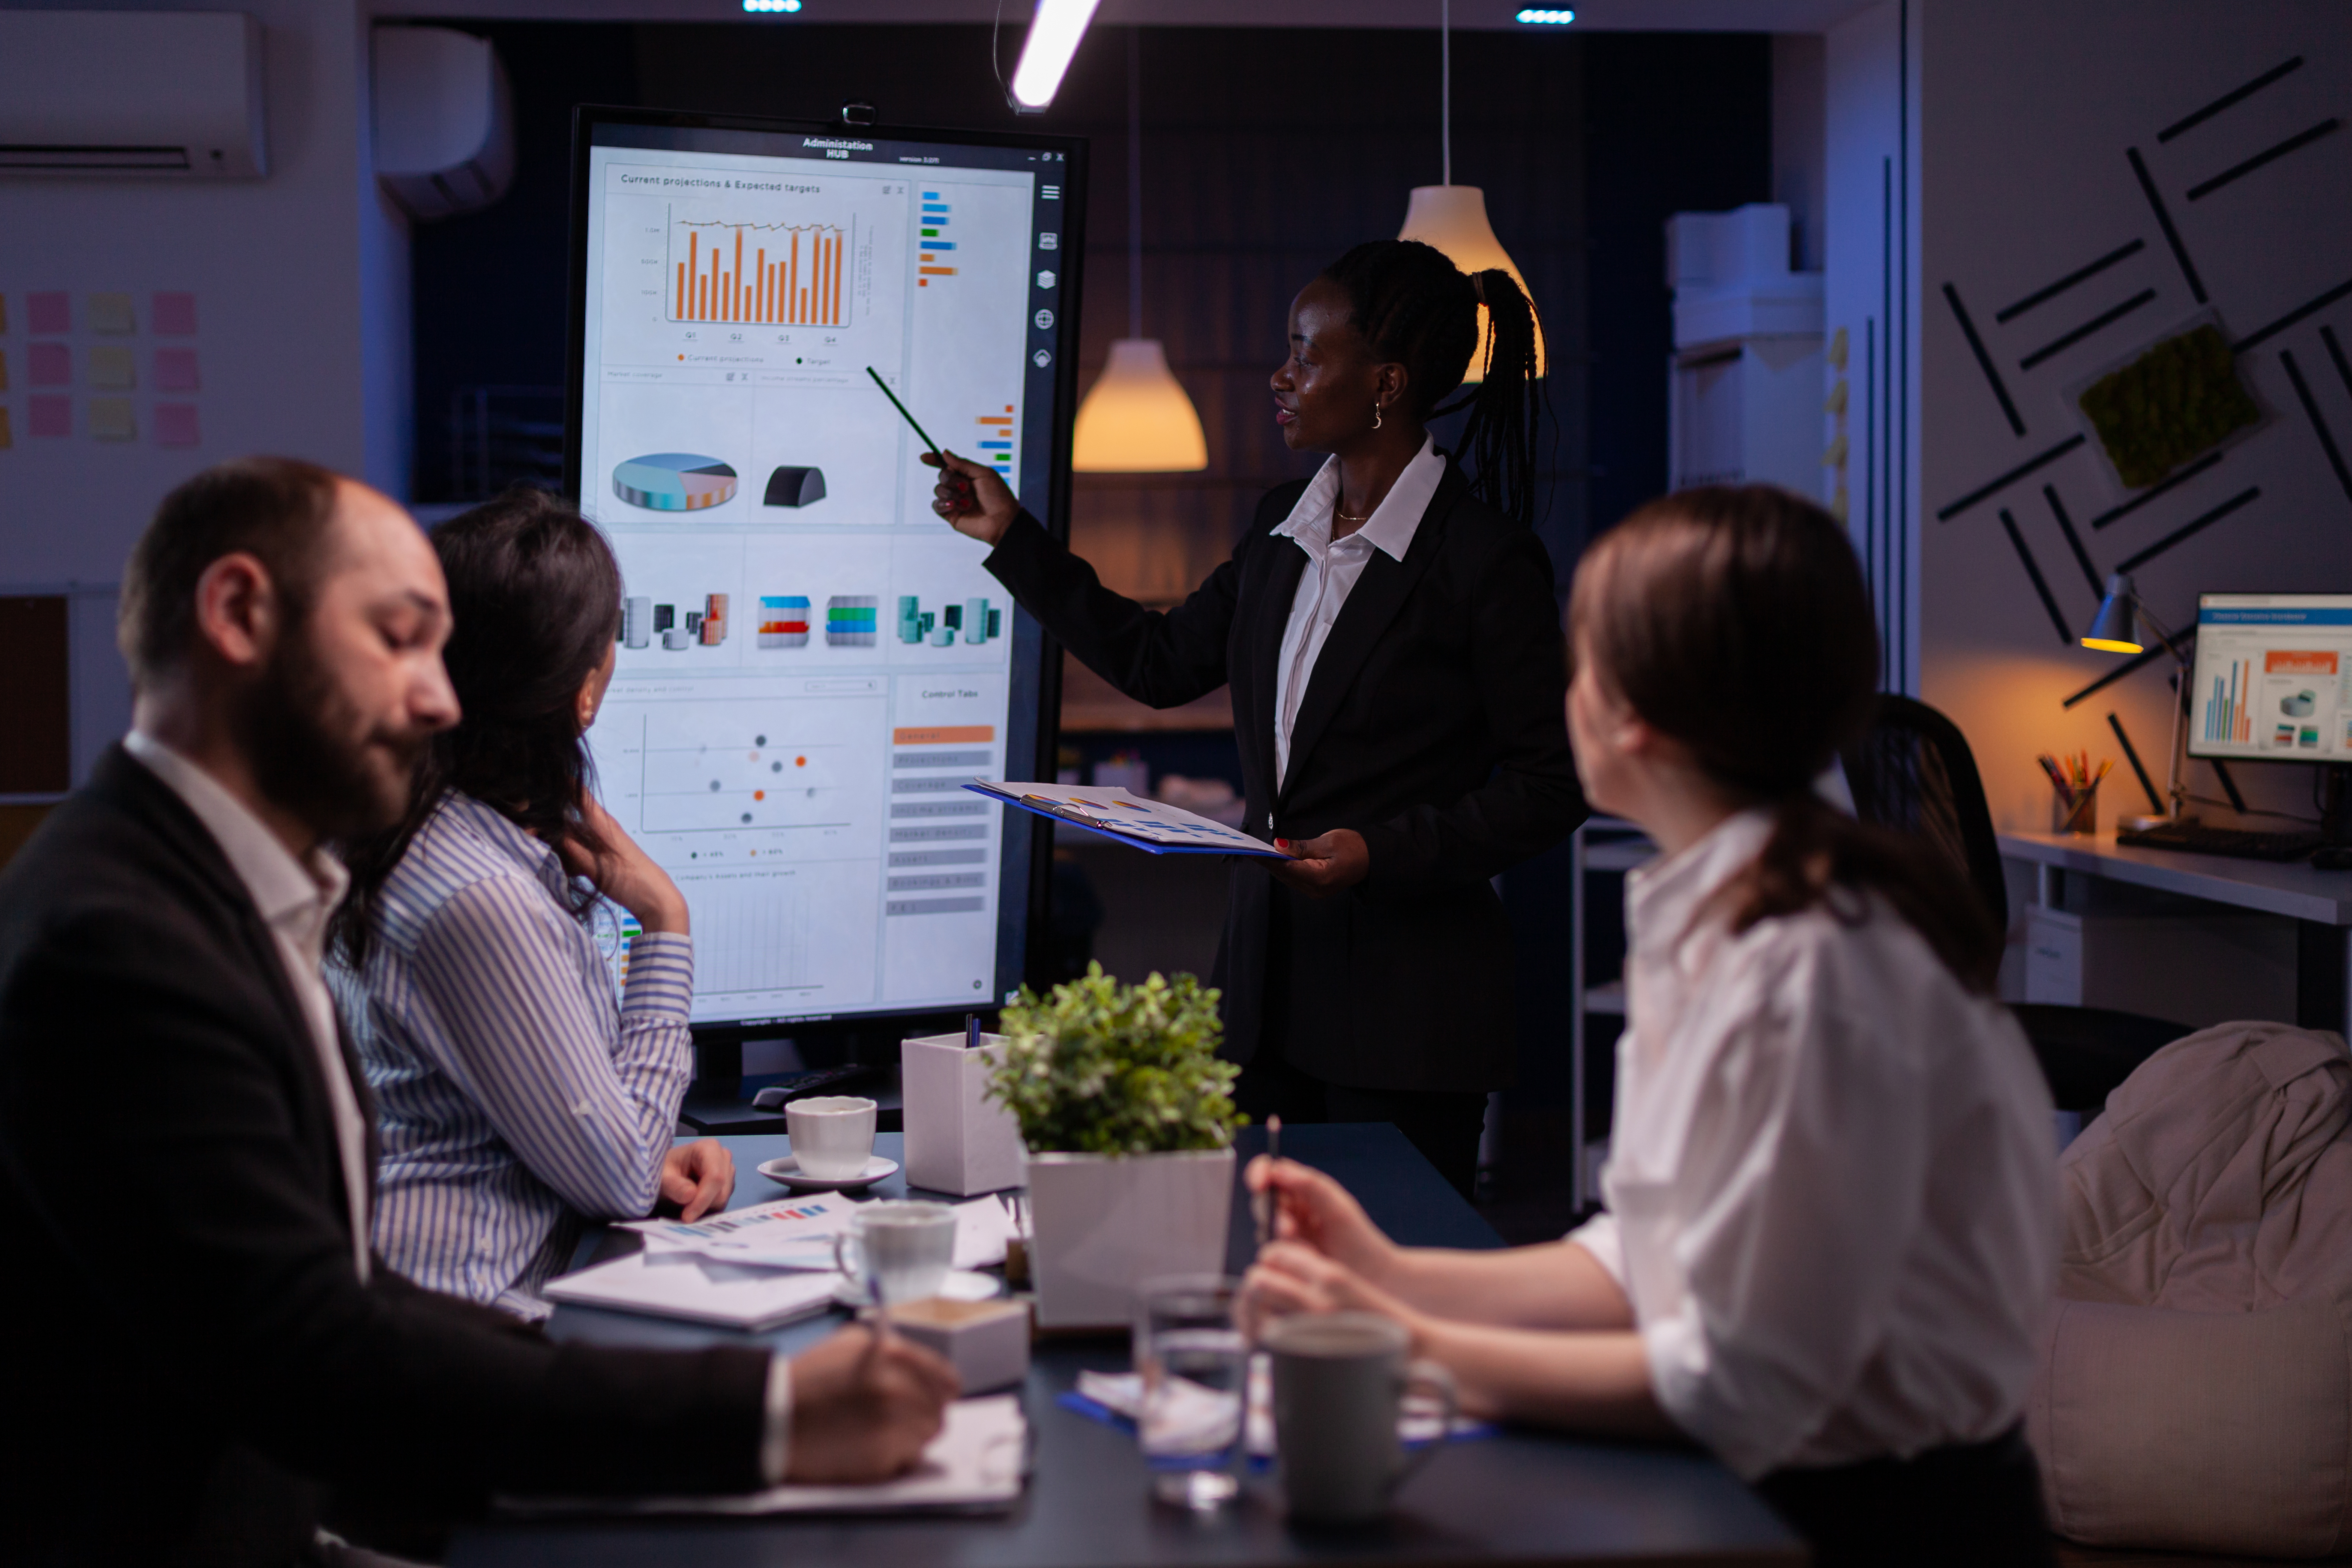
column 1195, row 1366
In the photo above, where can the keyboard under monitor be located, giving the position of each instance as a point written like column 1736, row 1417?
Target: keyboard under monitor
column 2238, row 843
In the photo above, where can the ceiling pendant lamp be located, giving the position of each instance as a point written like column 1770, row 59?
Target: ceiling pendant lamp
column 1136, row 418
column 1454, row 217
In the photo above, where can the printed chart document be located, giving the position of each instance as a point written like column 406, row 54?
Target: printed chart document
column 976, row 1465
column 1151, row 826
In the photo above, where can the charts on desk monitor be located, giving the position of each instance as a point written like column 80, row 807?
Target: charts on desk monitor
column 2274, row 677
column 811, row 664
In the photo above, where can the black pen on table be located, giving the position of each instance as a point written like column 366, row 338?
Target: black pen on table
column 963, row 485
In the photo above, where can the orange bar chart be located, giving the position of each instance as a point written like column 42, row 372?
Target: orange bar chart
column 733, row 278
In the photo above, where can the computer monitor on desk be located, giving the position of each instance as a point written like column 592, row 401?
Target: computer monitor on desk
column 2272, row 682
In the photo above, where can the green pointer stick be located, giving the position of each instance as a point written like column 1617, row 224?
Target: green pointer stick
column 963, row 486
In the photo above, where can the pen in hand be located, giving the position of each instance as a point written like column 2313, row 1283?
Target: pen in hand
column 1262, row 1201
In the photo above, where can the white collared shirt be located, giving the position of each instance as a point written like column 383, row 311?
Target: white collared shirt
column 295, row 898
column 1832, row 1180
column 1332, row 567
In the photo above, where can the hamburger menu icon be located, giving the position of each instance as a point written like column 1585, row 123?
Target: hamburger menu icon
column 674, row 481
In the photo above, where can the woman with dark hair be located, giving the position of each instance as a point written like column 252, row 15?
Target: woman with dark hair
column 1390, row 636
column 516, row 1098
column 1832, row 1235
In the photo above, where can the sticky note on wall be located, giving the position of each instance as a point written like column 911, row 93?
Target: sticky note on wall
column 50, row 364
column 176, row 315
column 110, row 419
column 111, row 366
column 175, row 424
column 3, row 370
column 4, row 312
column 50, row 416
column 110, row 313
column 7, row 437
column 51, row 312
column 175, row 370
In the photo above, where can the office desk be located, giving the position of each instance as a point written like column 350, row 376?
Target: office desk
column 1521, row 1498
column 2320, row 900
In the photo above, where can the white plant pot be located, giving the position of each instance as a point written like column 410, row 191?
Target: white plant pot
column 1101, row 1223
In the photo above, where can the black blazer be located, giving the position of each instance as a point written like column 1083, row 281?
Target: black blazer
column 1432, row 724
column 186, row 1392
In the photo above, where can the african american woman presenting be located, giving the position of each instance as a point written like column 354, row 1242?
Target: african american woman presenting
column 1389, row 633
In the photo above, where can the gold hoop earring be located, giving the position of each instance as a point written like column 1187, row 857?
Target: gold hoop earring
column 1376, row 415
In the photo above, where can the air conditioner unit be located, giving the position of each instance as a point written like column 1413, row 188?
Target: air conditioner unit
column 444, row 120
column 150, row 93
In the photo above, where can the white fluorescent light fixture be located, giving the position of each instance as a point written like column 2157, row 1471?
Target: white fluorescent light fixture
column 1531, row 15
column 771, row 5
column 1055, row 30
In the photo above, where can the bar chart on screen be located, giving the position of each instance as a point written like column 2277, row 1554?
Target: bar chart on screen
column 782, row 274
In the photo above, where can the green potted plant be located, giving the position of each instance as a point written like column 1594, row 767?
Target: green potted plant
column 1128, row 1119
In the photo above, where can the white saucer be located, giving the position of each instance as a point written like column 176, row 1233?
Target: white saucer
column 960, row 1285
column 788, row 1171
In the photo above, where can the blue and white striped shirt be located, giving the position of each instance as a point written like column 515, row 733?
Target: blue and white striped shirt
column 516, row 1098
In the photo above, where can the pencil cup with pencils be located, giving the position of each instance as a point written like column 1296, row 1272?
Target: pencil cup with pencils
column 2075, row 806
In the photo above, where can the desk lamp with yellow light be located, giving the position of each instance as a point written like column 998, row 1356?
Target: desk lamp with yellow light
column 2118, row 628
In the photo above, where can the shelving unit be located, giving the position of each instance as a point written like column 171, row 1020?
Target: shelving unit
column 1604, row 844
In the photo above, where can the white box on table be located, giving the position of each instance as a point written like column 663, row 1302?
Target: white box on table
column 986, row 1342
column 958, row 1140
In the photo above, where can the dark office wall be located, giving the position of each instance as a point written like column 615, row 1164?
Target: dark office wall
column 1672, row 122
column 1267, row 152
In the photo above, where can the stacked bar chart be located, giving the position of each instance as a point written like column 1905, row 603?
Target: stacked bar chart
column 2227, row 715
column 934, row 240
column 771, row 274
column 783, row 620
column 996, row 438
column 852, row 620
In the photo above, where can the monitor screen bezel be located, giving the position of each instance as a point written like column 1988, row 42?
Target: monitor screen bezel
column 833, row 1036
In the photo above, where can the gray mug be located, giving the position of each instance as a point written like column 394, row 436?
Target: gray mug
column 1339, row 1379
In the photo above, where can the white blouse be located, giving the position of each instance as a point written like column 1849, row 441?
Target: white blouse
column 1832, row 1185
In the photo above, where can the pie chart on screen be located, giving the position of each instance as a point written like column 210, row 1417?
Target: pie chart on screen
column 674, row 481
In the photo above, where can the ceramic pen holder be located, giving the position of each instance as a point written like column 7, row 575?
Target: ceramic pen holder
column 2080, row 814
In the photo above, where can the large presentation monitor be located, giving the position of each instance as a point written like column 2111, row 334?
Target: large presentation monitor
column 2273, row 677
column 811, row 663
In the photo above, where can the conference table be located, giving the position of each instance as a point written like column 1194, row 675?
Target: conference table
column 1518, row 1497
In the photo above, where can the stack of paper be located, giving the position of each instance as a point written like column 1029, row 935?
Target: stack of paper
column 753, row 1267
column 975, row 1465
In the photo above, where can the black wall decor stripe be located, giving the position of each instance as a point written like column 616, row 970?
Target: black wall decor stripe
column 2040, row 585
column 2261, row 334
column 2011, row 477
column 2234, row 96
column 2184, row 641
column 1984, row 359
column 2164, row 222
column 2131, row 756
column 2073, row 541
column 2103, row 320
column 2193, row 526
column 2204, row 188
column 2336, row 353
column 2318, row 423
column 2048, row 291
column 2122, row 509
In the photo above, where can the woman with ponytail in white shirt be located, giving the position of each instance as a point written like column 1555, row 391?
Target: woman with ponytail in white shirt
column 1830, row 1238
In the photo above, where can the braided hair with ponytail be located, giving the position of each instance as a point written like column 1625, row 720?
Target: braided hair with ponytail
column 1416, row 309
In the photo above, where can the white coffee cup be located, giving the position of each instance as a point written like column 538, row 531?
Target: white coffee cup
column 1339, row 1381
column 832, row 1134
column 898, row 1250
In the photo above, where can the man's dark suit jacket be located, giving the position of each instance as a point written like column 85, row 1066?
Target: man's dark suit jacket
column 187, row 1355
column 1433, row 724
